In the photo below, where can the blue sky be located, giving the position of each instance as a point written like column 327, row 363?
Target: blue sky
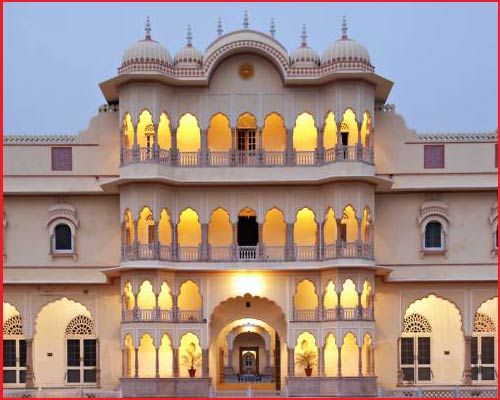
column 443, row 57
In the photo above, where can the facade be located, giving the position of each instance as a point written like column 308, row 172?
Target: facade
column 250, row 217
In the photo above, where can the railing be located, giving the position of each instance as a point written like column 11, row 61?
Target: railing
column 262, row 253
column 128, row 315
column 303, row 253
column 190, row 316
column 274, row 253
column 245, row 158
column 306, row 315
column 189, row 158
column 305, row 157
column 219, row 158
column 272, row 158
column 189, row 253
column 221, row 253
column 146, row 315
column 334, row 314
column 165, row 315
column 456, row 392
column 246, row 253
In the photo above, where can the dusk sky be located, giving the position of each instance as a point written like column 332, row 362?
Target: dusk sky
column 442, row 58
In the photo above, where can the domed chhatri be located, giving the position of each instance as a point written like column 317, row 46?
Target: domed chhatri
column 147, row 51
column 188, row 56
column 347, row 53
column 304, row 56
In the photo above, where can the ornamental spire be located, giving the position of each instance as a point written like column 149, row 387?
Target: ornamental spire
column 189, row 36
column 344, row 28
column 219, row 27
column 304, row 36
column 245, row 20
column 272, row 28
column 147, row 29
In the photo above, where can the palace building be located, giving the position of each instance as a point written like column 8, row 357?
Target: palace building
column 250, row 217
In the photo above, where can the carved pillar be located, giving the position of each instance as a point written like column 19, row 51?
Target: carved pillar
column 320, row 149
column 359, row 243
column 30, row 379
column 339, row 252
column 268, row 358
column 175, row 362
column 204, row 147
column 260, row 150
column 235, row 241
column 204, row 362
column 136, row 366
column 339, row 151
column 135, row 146
column 467, row 362
column 339, row 306
column 339, row 362
column 157, row 362
column 156, row 148
column 360, row 306
column 321, row 362
column 232, row 157
column 136, row 240
column 290, row 242
column 230, row 358
column 174, row 242
column 204, row 242
column 372, row 359
column 156, row 241
column 136, row 308
column 289, row 147
column 175, row 307
column 360, row 361
column 173, row 146
column 291, row 363
column 359, row 146
column 320, row 240
column 260, row 241
column 125, row 364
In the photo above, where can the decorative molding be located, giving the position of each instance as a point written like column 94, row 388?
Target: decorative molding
column 81, row 325
column 13, row 326
column 483, row 323
column 416, row 323
column 457, row 136
column 17, row 139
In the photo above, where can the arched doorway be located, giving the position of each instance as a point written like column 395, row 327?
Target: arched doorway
column 247, row 234
column 248, row 344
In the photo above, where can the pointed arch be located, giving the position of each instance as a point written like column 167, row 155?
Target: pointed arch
column 349, row 295
column 146, row 298
column 188, row 134
column 147, row 356
column 330, row 233
column 305, row 296
column 165, row 228
column 305, row 228
column 145, row 226
column 128, row 346
column 145, row 130
column 305, row 133
column 166, row 356
column 220, row 229
column 246, row 121
column 164, row 132
column 274, row 228
column 189, row 228
column 127, row 131
column 349, row 225
column 219, row 133
column 190, row 354
column 330, row 131
column 349, row 128
column 330, row 300
column 306, row 354
column 274, row 133
column 190, row 297
column 366, row 129
column 128, row 297
column 128, row 227
column 349, row 355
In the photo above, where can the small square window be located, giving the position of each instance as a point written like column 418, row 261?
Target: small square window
column 62, row 159
column 434, row 156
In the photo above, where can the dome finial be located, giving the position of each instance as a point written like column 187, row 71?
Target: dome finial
column 147, row 29
column 272, row 28
column 245, row 20
column 189, row 36
column 344, row 28
column 304, row 36
column 219, row 27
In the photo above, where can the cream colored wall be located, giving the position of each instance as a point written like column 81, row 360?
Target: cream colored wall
column 98, row 236
column 469, row 232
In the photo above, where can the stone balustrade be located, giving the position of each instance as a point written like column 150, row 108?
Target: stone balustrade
column 160, row 315
column 334, row 314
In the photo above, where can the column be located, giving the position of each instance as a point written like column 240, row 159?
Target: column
column 173, row 146
column 260, row 241
column 204, row 147
column 320, row 149
column 289, row 147
column 156, row 148
column 29, row 364
column 359, row 244
column 359, row 146
column 204, row 362
column 291, row 362
column 175, row 308
column 467, row 362
column 125, row 365
column 157, row 362
column 290, row 242
column 360, row 361
column 156, row 241
column 230, row 358
column 339, row 362
column 339, row 151
column 136, row 240
column 204, row 242
column 320, row 240
column 232, row 160
column 372, row 359
column 339, row 252
column 339, row 306
column 321, row 362
column 360, row 306
column 268, row 358
column 175, row 362
column 136, row 308
column 235, row 241
column 174, row 254
column 136, row 366
column 260, row 150
column 135, row 147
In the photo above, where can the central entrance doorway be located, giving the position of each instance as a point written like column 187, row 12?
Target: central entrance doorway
column 248, row 234
column 249, row 360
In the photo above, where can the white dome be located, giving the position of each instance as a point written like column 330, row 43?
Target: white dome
column 345, row 50
column 304, row 57
column 188, row 56
column 147, row 50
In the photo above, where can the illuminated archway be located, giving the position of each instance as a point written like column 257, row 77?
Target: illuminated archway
column 366, row 227
column 274, row 139
column 367, row 355
column 349, row 128
column 305, row 233
column 350, row 356
column 349, row 295
column 349, row 225
column 330, row 234
column 145, row 130
column 366, row 128
column 305, row 134
column 306, row 354
column 188, row 140
column 164, row 132
column 274, row 234
column 165, row 228
column 129, row 357
column 146, row 299
column 189, row 235
column 165, row 301
column 190, row 355
column 128, row 297
column 128, row 226
column 14, row 346
column 219, row 134
column 246, row 121
column 331, row 356
column 145, row 226
column 330, row 301
column 366, row 295
column 220, row 231
column 147, row 357
column 166, row 357
column 128, row 131
column 190, row 302
column 330, row 131
column 305, row 301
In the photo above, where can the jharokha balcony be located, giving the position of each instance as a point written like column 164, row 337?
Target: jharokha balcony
column 160, row 315
column 232, row 253
column 334, row 314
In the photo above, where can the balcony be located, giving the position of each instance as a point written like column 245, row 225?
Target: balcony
column 334, row 314
column 247, row 158
column 159, row 315
column 258, row 253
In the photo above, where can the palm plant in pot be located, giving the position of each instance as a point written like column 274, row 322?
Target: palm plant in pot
column 306, row 359
column 191, row 358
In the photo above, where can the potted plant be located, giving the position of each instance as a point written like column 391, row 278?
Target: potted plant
column 306, row 359
column 192, row 358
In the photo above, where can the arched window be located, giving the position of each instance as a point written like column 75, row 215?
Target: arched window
column 415, row 349
column 433, row 238
column 14, row 346
column 81, row 351
column 63, row 241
